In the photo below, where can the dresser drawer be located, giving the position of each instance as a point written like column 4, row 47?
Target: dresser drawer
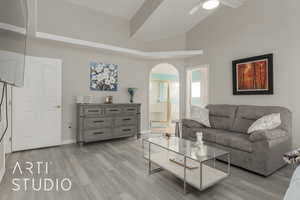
column 97, row 134
column 97, row 122
column 115, row 111
column 130, row 110
column 93, row 111
column 125, row 131
column 127, row 120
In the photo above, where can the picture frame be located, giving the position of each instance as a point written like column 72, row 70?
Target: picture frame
column 104, row 77
column 253, row 76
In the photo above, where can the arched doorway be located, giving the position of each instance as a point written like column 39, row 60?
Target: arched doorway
column 163, row 98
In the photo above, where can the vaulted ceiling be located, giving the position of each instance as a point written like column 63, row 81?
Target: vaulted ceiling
column 169, row 19
column 120, row 8
column 151, row 20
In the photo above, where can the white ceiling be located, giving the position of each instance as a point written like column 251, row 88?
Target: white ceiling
column 120, row 8
column 171, row 18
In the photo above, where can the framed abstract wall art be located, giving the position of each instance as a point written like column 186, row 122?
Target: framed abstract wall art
column 103, row 77
column 253, row 76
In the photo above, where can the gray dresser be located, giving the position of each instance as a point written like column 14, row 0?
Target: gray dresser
column 96, row 122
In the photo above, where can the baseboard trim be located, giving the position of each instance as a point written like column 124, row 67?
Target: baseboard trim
column 70, row 141
column 145, row 132
column 73, row 141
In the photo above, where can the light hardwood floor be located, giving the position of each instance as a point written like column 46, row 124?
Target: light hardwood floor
column 116, row 170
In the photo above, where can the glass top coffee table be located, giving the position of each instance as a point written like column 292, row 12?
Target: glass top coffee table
column 194, row 163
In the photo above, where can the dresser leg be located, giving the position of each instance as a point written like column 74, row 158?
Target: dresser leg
column 81, row 143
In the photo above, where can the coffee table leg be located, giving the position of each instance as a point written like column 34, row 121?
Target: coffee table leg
column 200, row 176
column 149, row 159
column 228, row 163
column 184, row 178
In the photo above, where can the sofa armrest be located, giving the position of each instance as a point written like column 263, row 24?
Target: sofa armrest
column 267, row 135
column 191, row 123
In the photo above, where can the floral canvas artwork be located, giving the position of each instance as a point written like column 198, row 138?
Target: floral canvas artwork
column 104, row 77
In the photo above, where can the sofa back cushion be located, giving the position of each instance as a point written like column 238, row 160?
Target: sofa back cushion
column 247, row 115
column 222, row 116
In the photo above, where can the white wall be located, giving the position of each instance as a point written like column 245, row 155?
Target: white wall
column 76, row 78
column 258, row 27
column 71, row 20
column 79, row 22
column 132, row 73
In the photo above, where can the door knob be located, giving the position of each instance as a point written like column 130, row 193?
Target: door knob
column 58, row 106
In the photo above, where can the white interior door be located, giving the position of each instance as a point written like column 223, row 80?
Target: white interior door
column 36, row 108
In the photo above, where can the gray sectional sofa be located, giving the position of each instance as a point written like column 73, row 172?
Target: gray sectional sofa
column 260, row 152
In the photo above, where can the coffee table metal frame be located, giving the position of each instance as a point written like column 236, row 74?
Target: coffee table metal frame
column 160, row 168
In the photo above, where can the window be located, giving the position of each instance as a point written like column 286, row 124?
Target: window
column 196, row 90
column 196, row 93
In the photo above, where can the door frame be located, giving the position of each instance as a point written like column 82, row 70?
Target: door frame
column 180, row 98
column 188, row 85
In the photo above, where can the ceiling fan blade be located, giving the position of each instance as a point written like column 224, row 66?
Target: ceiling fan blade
column 233, row 3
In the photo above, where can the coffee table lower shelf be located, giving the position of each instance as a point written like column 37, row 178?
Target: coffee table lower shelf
column 195, row 177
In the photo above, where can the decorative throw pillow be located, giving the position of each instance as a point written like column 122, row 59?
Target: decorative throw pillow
column 265, row 123
column 200, row 115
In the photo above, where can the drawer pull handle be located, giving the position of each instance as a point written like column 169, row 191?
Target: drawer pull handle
column 93, row 111
column 98, row 133
column 127, row 119
column 126, row 130
column 131, row 109
column 99, row 121
column 114, row 110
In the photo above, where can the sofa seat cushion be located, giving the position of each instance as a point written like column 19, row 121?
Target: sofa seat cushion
column 210, row 134
column 234, row 140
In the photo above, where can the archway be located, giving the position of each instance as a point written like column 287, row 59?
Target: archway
column 164, row 97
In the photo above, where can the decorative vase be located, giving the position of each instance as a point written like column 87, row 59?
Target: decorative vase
column 199, row 136
column 131, row 92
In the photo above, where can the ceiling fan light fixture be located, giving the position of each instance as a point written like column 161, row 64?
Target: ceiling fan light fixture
column 210, row 4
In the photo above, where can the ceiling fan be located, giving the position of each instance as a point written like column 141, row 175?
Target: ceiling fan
column 212, row 4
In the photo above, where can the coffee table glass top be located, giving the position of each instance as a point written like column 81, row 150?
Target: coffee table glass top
column 197, row 151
